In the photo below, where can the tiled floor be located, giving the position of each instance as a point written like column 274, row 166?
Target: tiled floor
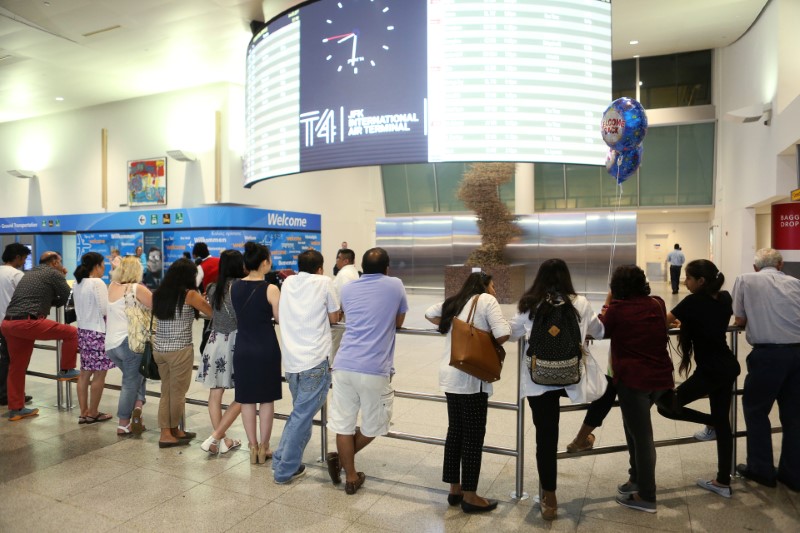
column 59, row 476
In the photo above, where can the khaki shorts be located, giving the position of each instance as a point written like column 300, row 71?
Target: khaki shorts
column 354, row 391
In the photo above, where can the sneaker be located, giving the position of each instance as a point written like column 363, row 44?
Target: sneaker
column 725, row 492
column 632, row 501
column 19, row 414
column 706, row 434
column 628, row 488
column 298, row 474
column 68, row 374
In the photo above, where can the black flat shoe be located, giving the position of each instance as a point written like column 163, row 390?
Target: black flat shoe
column 182, row 442
column 455, row 499
column 471, row 509
column 746, row 473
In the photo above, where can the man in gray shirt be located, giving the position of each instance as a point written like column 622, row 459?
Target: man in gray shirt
column 767, row 304
column 26, row 322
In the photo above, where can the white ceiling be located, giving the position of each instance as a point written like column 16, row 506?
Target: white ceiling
column 47, row 49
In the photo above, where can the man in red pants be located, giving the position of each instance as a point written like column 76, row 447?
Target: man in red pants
column 26, row 322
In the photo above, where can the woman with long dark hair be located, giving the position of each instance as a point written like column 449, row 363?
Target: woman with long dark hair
column 704, row 316
column 635, row 323
column 90, row 296
column 467, row 396
column 176, row 303
column 551, row 288
column 257, row 355
column 216, row 367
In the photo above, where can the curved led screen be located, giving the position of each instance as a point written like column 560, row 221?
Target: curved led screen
column 344, row 83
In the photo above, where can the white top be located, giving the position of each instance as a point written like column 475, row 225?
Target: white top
column 117, row 320
column 91, row 304
column 306, row 300
column 9, row 277
column 488, row 316
column 521, row 325
column 347, row 274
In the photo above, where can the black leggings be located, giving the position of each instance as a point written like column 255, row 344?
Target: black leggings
column 719, row 390
column 598, row 410
column 546, row 411
column 463, row 449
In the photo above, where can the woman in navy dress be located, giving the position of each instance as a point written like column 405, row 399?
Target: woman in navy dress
column 257, row 354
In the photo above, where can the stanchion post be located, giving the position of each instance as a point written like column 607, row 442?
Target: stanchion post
column 519, row 492
column 323, row 431
column 734, row 402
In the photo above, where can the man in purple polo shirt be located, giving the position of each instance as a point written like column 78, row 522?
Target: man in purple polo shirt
column 375, row 306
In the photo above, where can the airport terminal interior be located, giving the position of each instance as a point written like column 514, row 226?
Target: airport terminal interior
column 91, row 90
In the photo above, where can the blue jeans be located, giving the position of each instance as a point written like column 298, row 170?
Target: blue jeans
column 773, row 373
column 133, row 383
column 309, row 391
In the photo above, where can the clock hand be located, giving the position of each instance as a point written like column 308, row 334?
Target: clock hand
column 344, row 37
column 353, row 59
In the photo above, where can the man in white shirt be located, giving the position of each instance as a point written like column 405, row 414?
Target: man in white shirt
column 675, row 259
column 13, row 258
column 308, row 306
column 345, row 263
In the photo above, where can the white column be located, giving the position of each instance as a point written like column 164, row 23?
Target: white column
column 523, row 189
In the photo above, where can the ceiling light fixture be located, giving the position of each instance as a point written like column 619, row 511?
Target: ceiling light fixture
column 182, row 155
column 25, row 174
column 634, row 42
column 59, row 98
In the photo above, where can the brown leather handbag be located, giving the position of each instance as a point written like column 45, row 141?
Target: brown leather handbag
column 473, row 350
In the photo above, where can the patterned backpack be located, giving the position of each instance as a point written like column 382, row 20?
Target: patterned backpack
column 555, row 346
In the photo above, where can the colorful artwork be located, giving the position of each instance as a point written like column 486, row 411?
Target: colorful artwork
column 147, row 182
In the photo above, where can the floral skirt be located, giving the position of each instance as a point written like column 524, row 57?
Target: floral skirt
column 92, row 347
column 216, row 366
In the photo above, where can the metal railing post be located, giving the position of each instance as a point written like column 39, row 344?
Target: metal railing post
column 734, row 341
column 323, row 415
column 519, row 492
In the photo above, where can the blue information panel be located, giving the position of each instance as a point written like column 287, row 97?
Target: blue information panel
column 283, row 245
column 103, row 243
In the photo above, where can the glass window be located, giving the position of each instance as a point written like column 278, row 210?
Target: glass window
column 657, row 81
column 695, row 164
column 693, row 72
column 395, row 189
column 613, row 196
column 421, row 188
column 448, row 179
column 549, row 186
column 659, row 169
column 584, row 185
column 507, row 192
column 623, row 79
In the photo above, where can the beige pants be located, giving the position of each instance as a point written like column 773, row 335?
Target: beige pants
column 176, row 376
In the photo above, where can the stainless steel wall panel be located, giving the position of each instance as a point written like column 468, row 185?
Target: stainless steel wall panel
column 465, row 238
column 396, row 236
column 600, row 239
column 563, row 236
column 433, row 248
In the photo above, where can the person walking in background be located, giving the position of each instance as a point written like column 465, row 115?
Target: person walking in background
column 704, row 316
column 375, row 306
column 636, row 324
column 216, row 366
column 126, row 291
column 26, row 322
column 767, row 304
column 14, row 256
column 175, row 304
column 308, row 307
column 675, row 260
column 257, row 354
column 467, row 396
column 552, row 287
column 90, row 295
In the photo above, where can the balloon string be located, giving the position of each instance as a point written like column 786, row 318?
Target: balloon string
column 614, row 223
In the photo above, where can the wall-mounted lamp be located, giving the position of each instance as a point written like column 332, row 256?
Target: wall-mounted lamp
column 25, row 174
column 753, row 113
column 182, row 155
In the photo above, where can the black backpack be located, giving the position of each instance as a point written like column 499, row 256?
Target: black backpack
column 555, row 346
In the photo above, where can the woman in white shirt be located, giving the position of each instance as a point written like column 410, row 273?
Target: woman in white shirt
column 467, row 396
column 91, row 304
column 553, row 284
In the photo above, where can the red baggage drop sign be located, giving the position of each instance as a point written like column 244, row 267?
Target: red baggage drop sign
column 786, row 226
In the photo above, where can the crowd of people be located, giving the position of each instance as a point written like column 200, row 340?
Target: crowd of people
column 241, row 351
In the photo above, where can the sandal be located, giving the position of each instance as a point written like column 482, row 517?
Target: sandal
column 211, row 445
column 99, row 417
column 224, row 447
column 124, row 431
column 81, row 419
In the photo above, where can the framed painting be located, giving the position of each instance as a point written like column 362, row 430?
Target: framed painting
column 147, row 182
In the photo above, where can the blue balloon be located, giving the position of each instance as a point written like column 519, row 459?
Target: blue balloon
column 624, row 124
column 622, row 165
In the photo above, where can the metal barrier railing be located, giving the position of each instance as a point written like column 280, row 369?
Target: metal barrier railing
column 518, row 452
column 63, row 400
